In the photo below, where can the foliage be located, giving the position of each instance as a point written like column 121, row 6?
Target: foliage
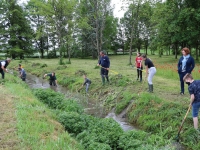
column 57, row 100
column 73, row 122
column 105, row 131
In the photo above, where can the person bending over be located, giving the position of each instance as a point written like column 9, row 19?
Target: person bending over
column 194, row 90
column 52, row 78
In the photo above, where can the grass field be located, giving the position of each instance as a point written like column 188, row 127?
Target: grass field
column 159, row 113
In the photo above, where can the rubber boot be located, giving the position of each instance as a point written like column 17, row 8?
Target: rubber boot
column 107, row 79
column 151, row 88
column 103, row 80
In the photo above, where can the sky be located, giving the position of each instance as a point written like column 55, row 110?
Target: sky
column 118, row 12
column 117, row 4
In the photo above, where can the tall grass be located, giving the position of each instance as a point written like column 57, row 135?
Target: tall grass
column 36, row 125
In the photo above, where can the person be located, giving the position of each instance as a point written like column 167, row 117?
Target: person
column 22, row 73
column 150, row 71
column 138, row 63
column 185, row 65
column 52, row 78
column 194, row 90
column 86, row 83
column 104, row 62
column 3, row 65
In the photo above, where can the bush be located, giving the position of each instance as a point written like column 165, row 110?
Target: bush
column 105, row 131
column 73, row 122
column 57, row 100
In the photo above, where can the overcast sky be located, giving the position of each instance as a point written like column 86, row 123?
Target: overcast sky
column 117, row 4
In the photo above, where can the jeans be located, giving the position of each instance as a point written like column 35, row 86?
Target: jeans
column 181, row 75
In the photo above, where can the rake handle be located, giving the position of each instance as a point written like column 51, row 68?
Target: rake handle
column 184, row 120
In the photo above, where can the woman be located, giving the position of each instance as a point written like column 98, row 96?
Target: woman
column 185, row 65
column 150, row 71
column 138, row 63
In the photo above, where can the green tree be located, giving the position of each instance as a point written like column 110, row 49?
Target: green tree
column 17, row 32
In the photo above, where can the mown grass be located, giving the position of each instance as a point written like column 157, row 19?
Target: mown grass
column 35, row 123
column 165, row 101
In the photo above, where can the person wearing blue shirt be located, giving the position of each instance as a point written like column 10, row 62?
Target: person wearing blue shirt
column 185, row 65
column 104, row 62
column 22, row 73
column 194, row 90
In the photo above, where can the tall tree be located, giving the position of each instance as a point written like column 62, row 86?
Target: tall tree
column 17, row 32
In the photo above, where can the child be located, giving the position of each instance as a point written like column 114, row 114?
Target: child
column 194, row 90
column 86, row 83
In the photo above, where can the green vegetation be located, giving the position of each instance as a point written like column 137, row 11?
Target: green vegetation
column 35, row 125
column 158, row 115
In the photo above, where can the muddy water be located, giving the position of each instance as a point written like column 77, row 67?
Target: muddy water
column 91, row 107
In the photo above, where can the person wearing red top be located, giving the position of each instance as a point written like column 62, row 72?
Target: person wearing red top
column 138, row 63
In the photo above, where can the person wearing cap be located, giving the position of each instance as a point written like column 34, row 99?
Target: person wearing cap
column 104, row 62
column 194, row 90
column 52, row 78
column 3, row 65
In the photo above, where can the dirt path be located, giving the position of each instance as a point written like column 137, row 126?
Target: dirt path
column 8, row 137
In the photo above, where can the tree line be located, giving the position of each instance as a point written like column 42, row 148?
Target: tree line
column 82, row 28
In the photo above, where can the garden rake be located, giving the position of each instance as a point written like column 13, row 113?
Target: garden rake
column 180, row 128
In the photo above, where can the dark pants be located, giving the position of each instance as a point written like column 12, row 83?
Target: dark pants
column 181, row 75
column 139, row 73
column 104, row 73
column 23, row 78
column 52, row 82
column 2, row 73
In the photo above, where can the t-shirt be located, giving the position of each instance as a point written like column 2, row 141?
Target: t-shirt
column 148, row 63
column 51, row 77
column 138, row 61
column 23, row 72
column 194, row 88
column 3, row 63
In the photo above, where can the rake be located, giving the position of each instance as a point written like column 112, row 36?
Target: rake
column 180, row 128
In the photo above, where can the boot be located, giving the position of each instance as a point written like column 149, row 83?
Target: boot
column 107, row 79
column 151, row 88
column 103, row 80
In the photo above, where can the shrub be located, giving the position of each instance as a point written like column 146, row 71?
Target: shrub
column 57, row 100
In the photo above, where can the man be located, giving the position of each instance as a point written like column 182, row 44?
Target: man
column 104, row 62
column 52, row 78
column 86, row 83
column 194, row 90
column 3, row 65
column 22, row 73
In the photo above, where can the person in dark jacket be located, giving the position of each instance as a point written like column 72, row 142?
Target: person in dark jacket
column 185, row 65
column 194, row 90
column 104, row 62
column 86, row 83
column 3, row 65
column 52, row 78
